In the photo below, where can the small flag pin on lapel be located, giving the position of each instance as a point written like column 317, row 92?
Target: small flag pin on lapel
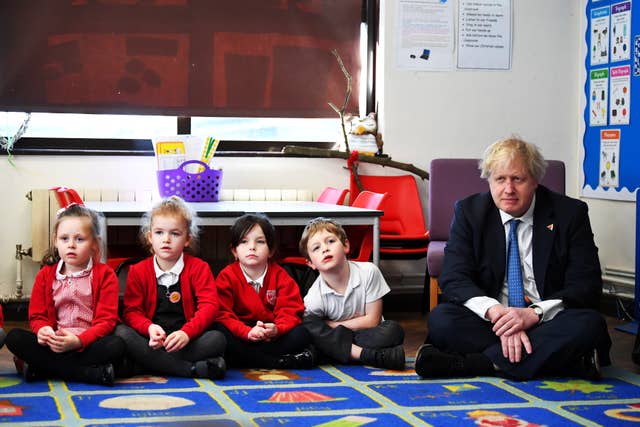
column 550, row 227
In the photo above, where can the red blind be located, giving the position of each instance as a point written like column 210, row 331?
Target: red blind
column 242, row 58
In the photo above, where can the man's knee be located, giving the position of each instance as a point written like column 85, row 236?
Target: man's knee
column 440, row 325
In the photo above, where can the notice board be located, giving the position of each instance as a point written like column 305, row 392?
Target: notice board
column 612, row 127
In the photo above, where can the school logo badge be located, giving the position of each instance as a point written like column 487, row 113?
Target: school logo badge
column 271, row 296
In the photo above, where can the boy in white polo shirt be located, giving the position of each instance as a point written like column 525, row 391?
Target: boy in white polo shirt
column 343, row 307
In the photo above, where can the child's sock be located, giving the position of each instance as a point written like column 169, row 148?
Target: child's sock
column 387, row 358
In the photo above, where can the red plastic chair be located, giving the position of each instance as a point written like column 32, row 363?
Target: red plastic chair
column 332, row 195
column 360, row 237
column 403, row 234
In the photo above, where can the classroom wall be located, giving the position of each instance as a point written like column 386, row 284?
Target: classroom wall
column 423, row 115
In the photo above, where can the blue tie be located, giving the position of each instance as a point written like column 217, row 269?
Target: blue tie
column 514, row 271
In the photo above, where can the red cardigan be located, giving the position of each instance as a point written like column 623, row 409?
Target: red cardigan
column 279, row 300
column 104, row 292
column 199, row 296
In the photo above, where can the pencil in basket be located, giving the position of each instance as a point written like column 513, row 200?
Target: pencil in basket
column 208, row 150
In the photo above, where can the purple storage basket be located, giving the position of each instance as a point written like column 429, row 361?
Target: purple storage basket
column 192, row 187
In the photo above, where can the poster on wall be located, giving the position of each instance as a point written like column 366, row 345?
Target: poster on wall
column 598, row 88
column 621, row 31
column 609, row 157
column 484, row 34
column 600, row 36
column 619, row 100
column 424, row 36
column 611, row 59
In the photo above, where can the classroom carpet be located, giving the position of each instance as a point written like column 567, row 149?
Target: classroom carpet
column 338, row 396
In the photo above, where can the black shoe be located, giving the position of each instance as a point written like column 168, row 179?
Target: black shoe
column 106, row 374
column 588, row 366
column 29, row 373
column 306, row 359
column 216, row 368
column 434, row 363
column 19, row 364
column 385, row 358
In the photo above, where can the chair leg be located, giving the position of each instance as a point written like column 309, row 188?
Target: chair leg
column 434, row 290
column 424, row 302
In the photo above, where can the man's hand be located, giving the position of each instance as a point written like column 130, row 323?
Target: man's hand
column 176, row 341
column 512, row 346
column 511, row 320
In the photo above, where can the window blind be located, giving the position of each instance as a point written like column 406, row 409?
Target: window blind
column 235, row 58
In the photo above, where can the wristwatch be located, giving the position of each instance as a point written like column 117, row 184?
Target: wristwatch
column 538, row 311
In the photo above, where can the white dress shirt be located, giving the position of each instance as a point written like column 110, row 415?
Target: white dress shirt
column 550, row 308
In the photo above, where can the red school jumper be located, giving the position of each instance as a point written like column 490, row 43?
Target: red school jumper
column 197, row 287
column 278, row 302
column 104, row 294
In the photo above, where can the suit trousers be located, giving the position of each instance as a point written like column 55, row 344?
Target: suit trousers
column 336, row 343
column 557, row 344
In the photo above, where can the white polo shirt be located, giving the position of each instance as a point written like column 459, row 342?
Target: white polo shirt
column 366, row 285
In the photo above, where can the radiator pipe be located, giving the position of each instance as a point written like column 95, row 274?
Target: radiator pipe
column 20, row 253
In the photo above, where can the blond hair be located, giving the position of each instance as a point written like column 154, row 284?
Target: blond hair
column 176, row 207
column 509, row 149
column 317, row 225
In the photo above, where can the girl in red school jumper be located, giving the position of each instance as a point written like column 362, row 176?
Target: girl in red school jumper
column 170, row 300
column 73, row 308
column 260, row 304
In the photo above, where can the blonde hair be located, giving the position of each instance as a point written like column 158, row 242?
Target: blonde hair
column 52, row 256
column 509, row 149
column 317, row 225
column 176, row 207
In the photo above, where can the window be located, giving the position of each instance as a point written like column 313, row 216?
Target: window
column 264, row 74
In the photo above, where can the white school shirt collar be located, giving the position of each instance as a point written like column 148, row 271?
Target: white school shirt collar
column 257, row 283
column 170, row 277
column 81, row 273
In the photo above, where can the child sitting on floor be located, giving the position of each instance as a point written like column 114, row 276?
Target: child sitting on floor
column 343, row 308
column 260, row 304
column 73, row 308
column 171, row 299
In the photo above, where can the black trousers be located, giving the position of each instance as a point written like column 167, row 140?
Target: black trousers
column 66, row 366
column 557, row 344
column 209, row 344
column 263, row 354
column 336, row 343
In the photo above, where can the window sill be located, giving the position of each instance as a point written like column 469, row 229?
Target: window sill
column 143, row 147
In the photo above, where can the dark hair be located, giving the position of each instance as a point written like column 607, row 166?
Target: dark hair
column 246, row 222
column 171, row 206
column 52, row 256
column 317, row 225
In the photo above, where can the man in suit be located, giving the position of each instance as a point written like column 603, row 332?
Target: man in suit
column 526, row 314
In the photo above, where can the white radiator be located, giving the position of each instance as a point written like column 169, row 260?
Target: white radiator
column 45, row 206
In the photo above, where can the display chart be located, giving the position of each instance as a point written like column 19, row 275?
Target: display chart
column 612, row 133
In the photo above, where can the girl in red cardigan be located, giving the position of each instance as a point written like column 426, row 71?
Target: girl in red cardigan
column 73, row 308
column 171, row 300
column 260, row 304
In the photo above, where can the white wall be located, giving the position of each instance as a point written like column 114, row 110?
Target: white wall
column 423, row 115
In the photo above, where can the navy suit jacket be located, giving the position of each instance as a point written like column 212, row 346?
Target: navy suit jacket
column 565, row 257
